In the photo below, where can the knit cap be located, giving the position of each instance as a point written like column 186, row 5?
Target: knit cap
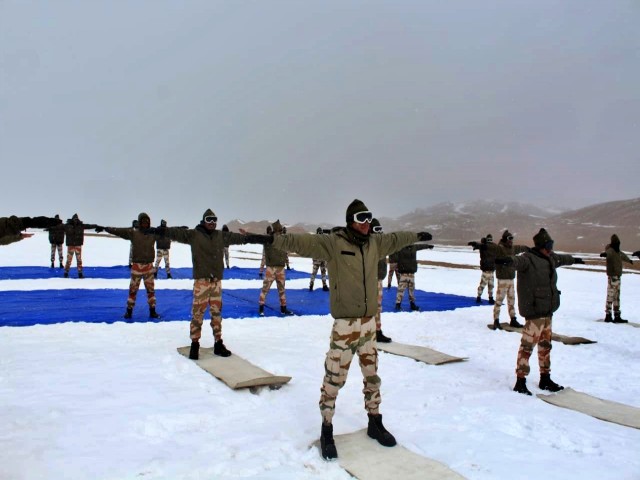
column 208, row 213
column 276, row 226
column 354, row 207
column 541, row 238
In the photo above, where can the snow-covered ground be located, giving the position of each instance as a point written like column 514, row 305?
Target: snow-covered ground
column 97, row 401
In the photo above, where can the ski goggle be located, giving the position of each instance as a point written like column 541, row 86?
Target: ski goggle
column 377, row 229
column 363, row 217
column 210, row 219
column 548, row 245
column 510, row 238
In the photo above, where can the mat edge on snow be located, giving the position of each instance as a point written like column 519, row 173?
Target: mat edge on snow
column 567, row 340
column 235, row 371
column 607, row 410
column 419, row 353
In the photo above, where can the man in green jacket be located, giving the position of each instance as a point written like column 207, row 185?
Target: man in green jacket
column 506, row 276
column 11, row 227
column 538, row 298
column 352, row 256
column 207, row 253
column 407, row 268
column 275, row 261
column 614, row 257
column 74, row 239
column 142, row 254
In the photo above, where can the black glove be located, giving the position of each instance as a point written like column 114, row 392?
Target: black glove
column 473, row 244
column 39, row 222
column 504, row 260
column 603, row 255
column 578, row 260
column 99, row 229
column 636, row 254
column 424, row 236
column 260, row 239
column 430, row 247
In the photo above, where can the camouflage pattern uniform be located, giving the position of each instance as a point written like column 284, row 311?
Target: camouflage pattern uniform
column 142, row 244
column 275, row 260
column 538, row 298
column 407, row 268
column 74, row 233
column 319, row 264
column 393, row 268
column 614, row 257
column 163, row 244
column 487, row 265
column 352, row 261
column 506, row 275
column 56, row 239
column 207, row 251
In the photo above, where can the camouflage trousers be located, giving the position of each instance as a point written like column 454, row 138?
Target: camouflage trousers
column 144, row 272
column 226, row 256
column 406, row 281
column 505, row 288
column 55, row 247
column 379, row 311
column 71, row 251
column 393, row 268
column 271, row 274
column 486, row 279
column 322, row 265
column 162, row 253
column 131, row 254
column 535, row 332
column 206, row 292
column 613, row 294
column 350, row 336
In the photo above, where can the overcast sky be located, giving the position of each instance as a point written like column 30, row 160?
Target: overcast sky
column 291, row 109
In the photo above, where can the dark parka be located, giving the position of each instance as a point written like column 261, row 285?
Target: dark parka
column 506, row 272
column 142, row 244
column 488, row 253
column 274, row 257
column 614, row 261
column 207, row 248
column 352, row 265
column 56, row 234
column 407, row 259
column 10, row 230
column 74, row 231
column 538, row 295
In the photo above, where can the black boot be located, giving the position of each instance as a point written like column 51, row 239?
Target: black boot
column 618, row 319
column 66, row 274
column 414, row 307
column 61, row 265
column 608, row 318
column 478, row 300
column 261, row 310
column 491, row 301
column 129, row 312
column 521, row 386
column 325, row 288
column 547, row 384
column 80, row 275
column 153, row 313
column 381, row 338
column 311, row 287
column 327, row 445
column 398, row 307
column 376, row 430
column 496, row 324
column 285, row 311
column 51, row 264
column 169, row 275
column 155, row 275
column 194, row 351
column 514, row 323
column 220, row 350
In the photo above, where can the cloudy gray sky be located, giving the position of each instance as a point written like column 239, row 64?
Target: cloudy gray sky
column 289, row 109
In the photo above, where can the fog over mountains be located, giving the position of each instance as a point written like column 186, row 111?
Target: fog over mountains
column 586, row 229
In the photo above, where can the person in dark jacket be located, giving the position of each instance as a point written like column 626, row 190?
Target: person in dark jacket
column 142, row 242
column 487, row 265
column 376, row 228
column 207, row 252
column 275, row 261
column 538, row 299
column 74, row 235
column 134, row 224
column 506, row 280
column 393, row 269
column 226, row 249
column 614, row 257
column 56, row 239
column 352, row 256
column 163, row 245
column 11, row 227
column 318, row 264
column 407, row 268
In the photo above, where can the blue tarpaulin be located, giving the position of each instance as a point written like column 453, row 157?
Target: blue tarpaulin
column 25, row 308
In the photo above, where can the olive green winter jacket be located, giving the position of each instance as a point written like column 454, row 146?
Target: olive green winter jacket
column 506, row 272
column 207, row 248
column 142, row 250
column 538, row 295
column 353, row 268
column 10, row 228
column 614, row 262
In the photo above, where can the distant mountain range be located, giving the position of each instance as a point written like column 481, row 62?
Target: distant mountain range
column 587, row 229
